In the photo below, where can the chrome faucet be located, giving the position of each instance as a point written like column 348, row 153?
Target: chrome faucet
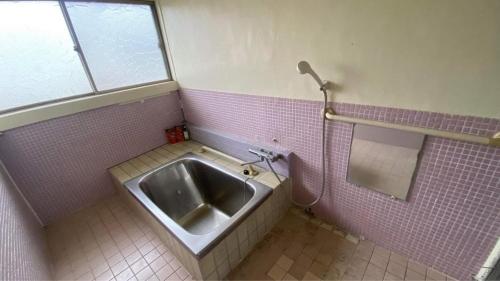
column 267, row 156
column 264, row 155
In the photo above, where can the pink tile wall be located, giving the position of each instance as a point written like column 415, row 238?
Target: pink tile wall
column 452, row 217
column 60, row 164
column 23, row 251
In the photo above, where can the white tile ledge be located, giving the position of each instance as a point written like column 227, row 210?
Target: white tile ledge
column 166, row 153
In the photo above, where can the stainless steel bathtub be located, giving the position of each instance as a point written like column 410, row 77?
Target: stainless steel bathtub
column 197, row 200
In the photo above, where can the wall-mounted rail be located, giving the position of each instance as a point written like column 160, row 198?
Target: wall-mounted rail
column 494, row 140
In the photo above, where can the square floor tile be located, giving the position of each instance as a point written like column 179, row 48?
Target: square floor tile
column 276, row 272
column 285, row 262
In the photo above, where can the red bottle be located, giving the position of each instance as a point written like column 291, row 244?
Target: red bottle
column 179, row 134
column 171, row 136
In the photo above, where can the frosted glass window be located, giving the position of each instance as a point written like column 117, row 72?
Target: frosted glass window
column 120, row 42
column 54, row 50
column 37, row 60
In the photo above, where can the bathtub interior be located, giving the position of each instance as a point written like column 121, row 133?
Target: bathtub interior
column 196, row 196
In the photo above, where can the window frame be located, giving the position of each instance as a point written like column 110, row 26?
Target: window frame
column 40, row 111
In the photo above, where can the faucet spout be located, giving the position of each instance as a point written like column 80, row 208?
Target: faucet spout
column 252, row 162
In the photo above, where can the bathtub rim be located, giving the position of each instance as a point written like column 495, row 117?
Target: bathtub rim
column 198, row 245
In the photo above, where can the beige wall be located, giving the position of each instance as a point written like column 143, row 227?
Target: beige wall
column 435, row 55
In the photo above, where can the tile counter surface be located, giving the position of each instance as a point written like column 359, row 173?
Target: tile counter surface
column 166, row 153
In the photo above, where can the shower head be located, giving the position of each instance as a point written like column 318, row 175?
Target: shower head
column 303, row 67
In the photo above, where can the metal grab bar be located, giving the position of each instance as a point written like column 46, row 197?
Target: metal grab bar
column 494, row 140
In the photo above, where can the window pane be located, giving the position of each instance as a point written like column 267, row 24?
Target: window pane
column 37, row 60
column 119, row 41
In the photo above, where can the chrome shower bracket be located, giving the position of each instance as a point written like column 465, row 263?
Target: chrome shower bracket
column 325, row 86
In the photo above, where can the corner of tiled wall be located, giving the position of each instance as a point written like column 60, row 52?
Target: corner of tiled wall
column 23, row 247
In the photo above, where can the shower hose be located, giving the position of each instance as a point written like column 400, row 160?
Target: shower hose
column 307, row 206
